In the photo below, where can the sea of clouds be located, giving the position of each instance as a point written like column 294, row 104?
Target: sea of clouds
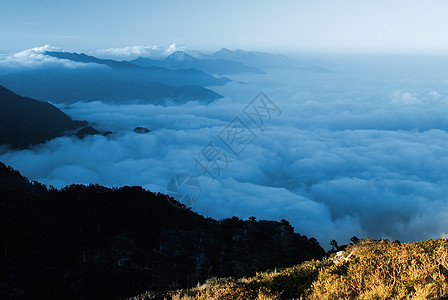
column 359, row 151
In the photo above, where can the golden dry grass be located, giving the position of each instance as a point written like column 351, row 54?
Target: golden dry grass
column 373, row 270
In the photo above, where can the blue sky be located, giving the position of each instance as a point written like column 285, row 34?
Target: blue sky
column 284, row 26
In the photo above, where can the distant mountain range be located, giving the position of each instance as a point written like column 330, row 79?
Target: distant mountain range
column 116, row 81
column 190, row 76
column 254, row 58
column 61, row 86
column 265, row 60
column 228, row 62
column 25, row 121
column 177, row 79
column 182, row 60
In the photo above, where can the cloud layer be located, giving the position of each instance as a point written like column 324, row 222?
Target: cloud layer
column 35, row 58
column 132, row 52
column 355, row 152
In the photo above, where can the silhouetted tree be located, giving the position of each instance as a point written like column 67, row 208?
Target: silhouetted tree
column 334, row 245
column 286, row 223
column 354, row 239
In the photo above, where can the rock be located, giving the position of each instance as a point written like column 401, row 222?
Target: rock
column 86, row 131
column 340, row 257
column 141, row 130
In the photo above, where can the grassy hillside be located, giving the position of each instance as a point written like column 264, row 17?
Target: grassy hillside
column 368, row 270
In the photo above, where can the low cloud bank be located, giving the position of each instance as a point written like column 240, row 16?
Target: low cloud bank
column 350, row 154
column 133, row 52
column 35, row 58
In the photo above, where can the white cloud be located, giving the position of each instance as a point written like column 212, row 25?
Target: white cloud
column 132, row 52
column 36, row 58
column 405, row 98
column 173, row 48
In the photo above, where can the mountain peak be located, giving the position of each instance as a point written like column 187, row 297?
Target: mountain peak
column 180, row 56
column 241, row 52
column 225, row 53
column 224, row 50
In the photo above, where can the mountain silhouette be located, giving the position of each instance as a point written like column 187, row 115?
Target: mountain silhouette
column 180, row 56
column 93, row 242
column 68, row 86
column 112, row 81
column 189, row 76
column 25, row 121
column 182, row 60
column 255, row 58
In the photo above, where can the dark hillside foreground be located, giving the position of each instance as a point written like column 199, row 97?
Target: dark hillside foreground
column 92, row 242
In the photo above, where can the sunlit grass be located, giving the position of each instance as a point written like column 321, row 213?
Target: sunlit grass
column 368, row 270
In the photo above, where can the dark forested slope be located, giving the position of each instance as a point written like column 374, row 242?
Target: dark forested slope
column 92, row 242
column 25, row 121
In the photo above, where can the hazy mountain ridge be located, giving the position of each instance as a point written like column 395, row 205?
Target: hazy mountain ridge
column 255, row 58
column 182, row 60
column 84, row 85
column 92, row 242
column 152, row 73
column 178, row 78
column 265, row 60
column 109, row 80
